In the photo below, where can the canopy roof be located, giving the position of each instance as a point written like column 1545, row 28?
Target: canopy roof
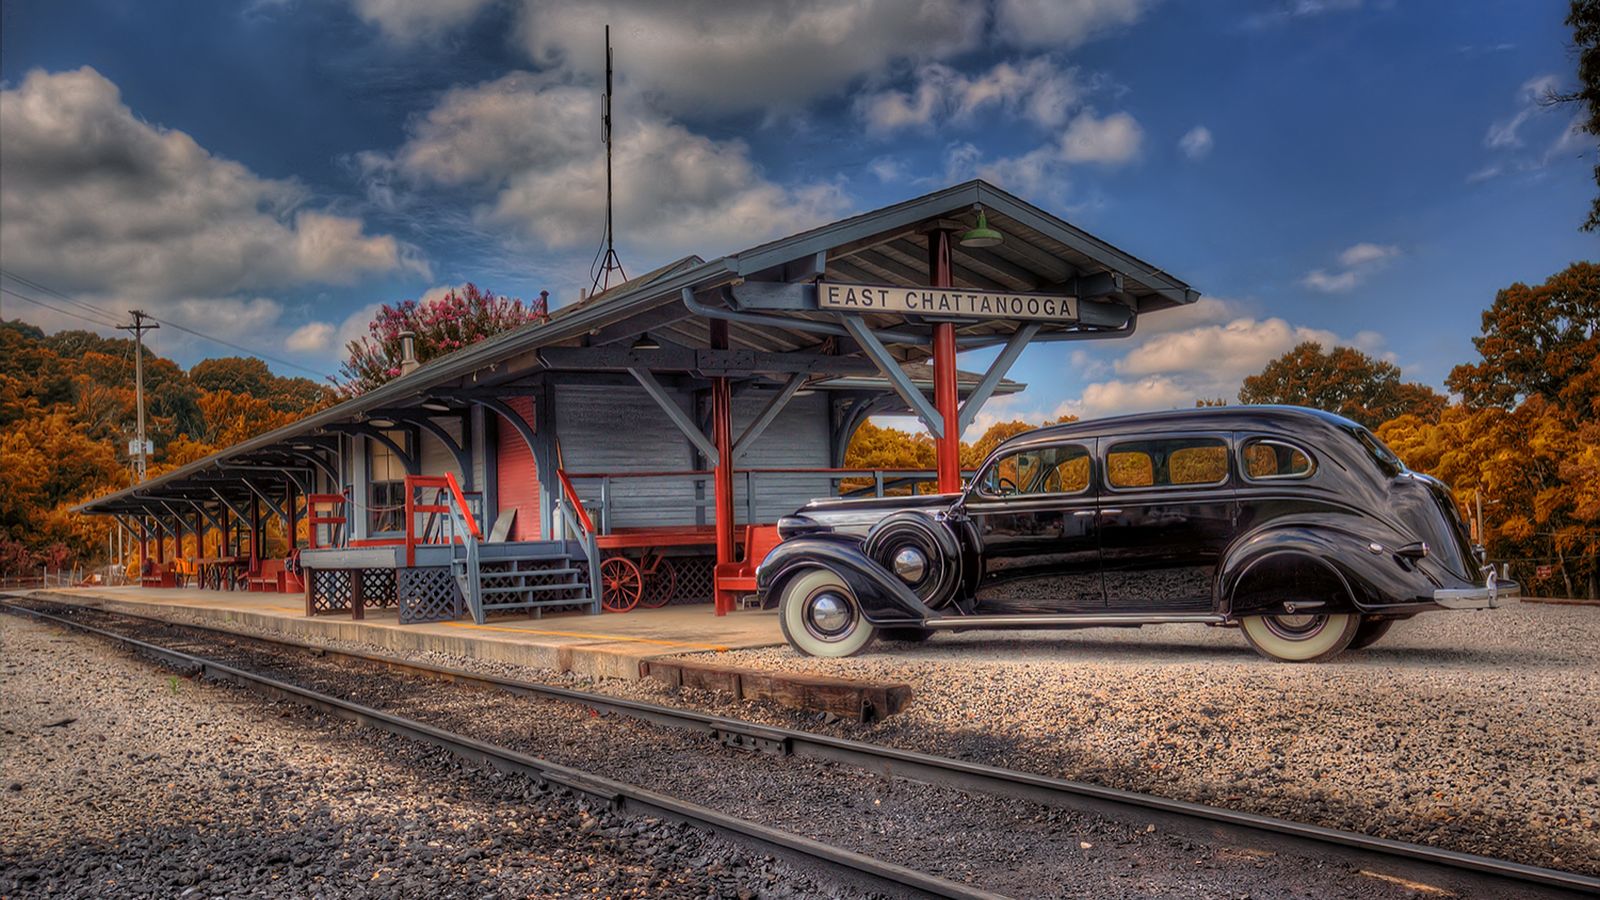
column 677, row 304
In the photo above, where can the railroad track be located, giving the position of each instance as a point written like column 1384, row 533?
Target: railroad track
column 1409, row 867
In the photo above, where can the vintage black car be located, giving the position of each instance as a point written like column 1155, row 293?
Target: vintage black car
column 1298, row 526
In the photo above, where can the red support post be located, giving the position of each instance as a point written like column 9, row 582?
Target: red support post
column 722, row 478
column 947, row 449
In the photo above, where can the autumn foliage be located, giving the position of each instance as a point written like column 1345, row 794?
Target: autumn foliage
column 67, row 415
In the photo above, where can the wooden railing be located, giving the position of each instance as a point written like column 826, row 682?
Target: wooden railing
column 452, row 504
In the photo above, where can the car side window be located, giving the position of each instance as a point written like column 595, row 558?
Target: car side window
column 1265, row 458
column 1167, row 462
column 1061, row 469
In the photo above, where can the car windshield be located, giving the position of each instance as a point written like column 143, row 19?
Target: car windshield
column 1380, row 453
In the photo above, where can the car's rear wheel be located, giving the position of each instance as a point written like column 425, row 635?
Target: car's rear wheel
column 1369, row 632
column 1300, row 638
column 819, row 616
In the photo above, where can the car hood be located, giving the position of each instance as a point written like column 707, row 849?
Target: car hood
column 857, row 516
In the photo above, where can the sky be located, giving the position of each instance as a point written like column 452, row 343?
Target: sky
column 1360, row 172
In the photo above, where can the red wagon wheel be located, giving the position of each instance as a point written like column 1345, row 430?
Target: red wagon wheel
column 661, row 586
column 621, row 585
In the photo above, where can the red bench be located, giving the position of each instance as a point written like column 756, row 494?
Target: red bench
column 740, row 577
column 269, row 578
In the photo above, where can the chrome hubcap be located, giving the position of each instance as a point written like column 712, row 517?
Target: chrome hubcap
column 829, row 615
column 1295, row 628
column 910, row 564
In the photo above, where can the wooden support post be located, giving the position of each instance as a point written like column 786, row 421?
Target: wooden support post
column 358, row 598
column 722, row 480
column 293, row 525
column 161, row 542
column 948, row 444
column 255, row 532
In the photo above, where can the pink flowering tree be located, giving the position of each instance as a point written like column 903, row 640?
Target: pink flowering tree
column 442, row 326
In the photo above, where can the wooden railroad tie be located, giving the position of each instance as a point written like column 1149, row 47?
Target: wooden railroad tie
column 861, row 701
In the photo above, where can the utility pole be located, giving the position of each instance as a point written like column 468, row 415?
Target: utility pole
column 140, row 450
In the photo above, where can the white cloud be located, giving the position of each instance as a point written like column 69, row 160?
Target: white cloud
column 1198, row 352
column 407, row 21
column 1116, row 397
column 1227, row 352
column 529, row 143
column 1356, row 262
column 312, row 337
column 1036, row 90
column 1504, row 133
column 320, row 337
column 1062, row 23
column 714, row 56
column 1290, row 10
column 889, row 170
column 1196, row 142
column 1043, row 171
column 95, row 200
column 1112, row 140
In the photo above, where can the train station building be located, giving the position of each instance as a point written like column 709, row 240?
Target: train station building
column 634, row 449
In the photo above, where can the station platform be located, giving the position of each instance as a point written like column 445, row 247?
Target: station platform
column 603, row 646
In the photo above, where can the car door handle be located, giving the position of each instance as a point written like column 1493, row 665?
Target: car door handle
column 1110, row 512
column 1084, row 512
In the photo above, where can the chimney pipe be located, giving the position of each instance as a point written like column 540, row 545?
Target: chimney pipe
column 408, row 352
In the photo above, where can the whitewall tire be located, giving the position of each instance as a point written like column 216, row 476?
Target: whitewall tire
column 1300, row 638
column 820, row 616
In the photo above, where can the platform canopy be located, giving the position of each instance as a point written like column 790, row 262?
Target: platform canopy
column 766, row 314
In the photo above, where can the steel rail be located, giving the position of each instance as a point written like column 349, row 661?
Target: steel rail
column 1390, row 857
column 624, row 798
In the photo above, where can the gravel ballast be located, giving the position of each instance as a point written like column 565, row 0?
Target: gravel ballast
column 1471, row 731
column 123, row 780
column 1004, row 845
column 1474, row 731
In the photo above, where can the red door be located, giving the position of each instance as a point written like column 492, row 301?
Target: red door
column 518, row 477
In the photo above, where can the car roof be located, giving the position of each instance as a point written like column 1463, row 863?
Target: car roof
column 1209, row 418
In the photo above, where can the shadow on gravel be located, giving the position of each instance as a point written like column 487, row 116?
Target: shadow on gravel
column 1102, row 650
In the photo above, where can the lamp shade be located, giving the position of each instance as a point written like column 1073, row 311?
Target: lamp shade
column 982, row 235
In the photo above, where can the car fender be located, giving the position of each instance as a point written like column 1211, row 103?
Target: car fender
column 1332, row 567
column 884, row 599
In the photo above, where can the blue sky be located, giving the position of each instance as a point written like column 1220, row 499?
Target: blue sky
column 1361, row 172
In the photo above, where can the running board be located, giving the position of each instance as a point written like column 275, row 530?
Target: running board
column 1046, row 620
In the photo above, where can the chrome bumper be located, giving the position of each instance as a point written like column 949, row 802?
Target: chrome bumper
column 1490, row 596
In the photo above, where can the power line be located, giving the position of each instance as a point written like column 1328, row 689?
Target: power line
column 66, row 312
column 59, row 295
column 112, row 323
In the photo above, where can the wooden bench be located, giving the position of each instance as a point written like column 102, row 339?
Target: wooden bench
column 740, row 577
column 269, row 577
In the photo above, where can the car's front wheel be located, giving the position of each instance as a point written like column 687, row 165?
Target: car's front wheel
column 820, row 616
column 1300, row 638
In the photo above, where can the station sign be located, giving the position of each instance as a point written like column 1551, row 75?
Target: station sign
column 946, row 302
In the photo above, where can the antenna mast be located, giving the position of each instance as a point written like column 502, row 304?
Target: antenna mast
column 610, row 262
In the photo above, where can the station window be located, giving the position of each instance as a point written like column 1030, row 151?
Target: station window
column 386, row 477
column 1265, row 459
column 1060, row 469
column 1167, row 462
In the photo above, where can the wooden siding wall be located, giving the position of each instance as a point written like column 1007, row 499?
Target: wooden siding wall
column 435, row 459
column 518, row 476
column 607, row 428
column 797, row 438
column 620, row 429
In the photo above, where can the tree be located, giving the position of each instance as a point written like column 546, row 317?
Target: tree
column 442, row 326
column 250, row 377
column 1584, row 20
column 1344, row 381
column 1539, row 341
